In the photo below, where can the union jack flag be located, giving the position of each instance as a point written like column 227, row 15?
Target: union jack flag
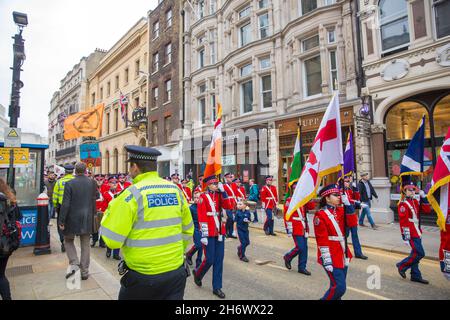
column 439, row 194
column 123, row 101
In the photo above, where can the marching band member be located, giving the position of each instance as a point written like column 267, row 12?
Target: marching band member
column 239, row 189
column 100, row 206
column 186, row 190
column 409, row 210
column 228, row 186
column 444, row 249
column 122, row 183
column 197, row 247
column 108, row 196
column 199, row 188
column 269, row 199
column 297, row 228
column 242, row 220
column 329, row 230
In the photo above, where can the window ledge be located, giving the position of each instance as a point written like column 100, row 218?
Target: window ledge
column 166, row 103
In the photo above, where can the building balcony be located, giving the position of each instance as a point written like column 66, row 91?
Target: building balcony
column 66, row 152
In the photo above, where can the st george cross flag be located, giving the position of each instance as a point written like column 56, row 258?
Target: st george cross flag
column 412, row 162
column 123, row 101
column 438, row 196
column 325, row 157
column 297, row 163
column 349, row 156
column 214, row 163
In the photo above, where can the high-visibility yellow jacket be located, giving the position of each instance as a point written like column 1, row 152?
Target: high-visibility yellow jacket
column 58, row 190
column 152, row 224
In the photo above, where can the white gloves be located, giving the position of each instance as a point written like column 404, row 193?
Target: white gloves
column 446, row 275
column 221, row 187
column 422, row 194
column 406, row 242
column 347, row 262
column 289, row 235
column 246, row 220
column 306, row 235
column 329, row 268
column 204, row 241
column 345, row 199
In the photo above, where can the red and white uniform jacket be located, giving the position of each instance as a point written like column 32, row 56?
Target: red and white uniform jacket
column 108, row 196
column 121, row 187
column 210, row 213
column 297, row 224
column 187, row 193
column 198, row 189
column 231, row 196
column 239, row 191
column 329, row 231
column 409, row 211
column 444, row 249
column 100, row 202
column 352, row 218
column 269, row 197
column 104, row 188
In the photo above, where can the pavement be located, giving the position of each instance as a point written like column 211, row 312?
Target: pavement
column 43, row 277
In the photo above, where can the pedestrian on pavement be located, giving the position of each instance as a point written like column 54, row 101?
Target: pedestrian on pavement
column 297, row 228
column 352, row 218
column 12, row 214
column 269, row 199
column 50, row 186
column 329, row 230
column 367, row 193
column 409, row 210
column 197, row 246
column 77, row 218
column 242, row 220
column 254, row 196
column 58, row 193
column 151, row 222
column 210, row 214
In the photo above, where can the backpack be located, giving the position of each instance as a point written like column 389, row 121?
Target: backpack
column 10, row 228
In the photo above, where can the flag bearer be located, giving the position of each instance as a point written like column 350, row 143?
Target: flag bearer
column 269, row 199
column 297, row 228
column 197, row 247
column 444, row 249
column 242, row 220
column 329, row 231
column 229, row 189
column 210, row 207
column 409, row 210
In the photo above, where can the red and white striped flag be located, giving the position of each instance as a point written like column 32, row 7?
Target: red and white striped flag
column 325, row 157
column 438, row 196
column 214, row 163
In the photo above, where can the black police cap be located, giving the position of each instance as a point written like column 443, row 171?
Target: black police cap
column 138, row 153
column 69, row 167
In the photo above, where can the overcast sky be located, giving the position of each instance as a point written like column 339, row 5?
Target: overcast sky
column 59, row 34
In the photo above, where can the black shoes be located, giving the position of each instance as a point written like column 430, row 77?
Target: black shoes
column 85, row 277
column 266, row 232
column 63, row 248
column 287, row 263
column 102, row 245
column 93, row 244
column 420, row 281
column 363, row 257
column 116, row 257
column 273, row 234
column 197, row 281
column 219, row 293
column 402, row 273
column 245, row 259
column 108, row 253
column 305, row 272
column 189, row 260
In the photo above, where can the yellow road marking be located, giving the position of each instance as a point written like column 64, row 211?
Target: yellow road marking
column 370, row 294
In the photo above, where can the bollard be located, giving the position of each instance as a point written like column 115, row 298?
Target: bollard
column 42, row 244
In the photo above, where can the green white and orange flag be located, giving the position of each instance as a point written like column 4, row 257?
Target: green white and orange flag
column 214, row 163
column 297, row 162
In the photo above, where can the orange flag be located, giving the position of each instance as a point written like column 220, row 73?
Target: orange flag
column 214, row 163
column 84, row 124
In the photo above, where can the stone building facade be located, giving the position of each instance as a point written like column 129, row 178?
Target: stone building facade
column 121, row 71
column 165, row 95
column 272, row 65
column 406, row 62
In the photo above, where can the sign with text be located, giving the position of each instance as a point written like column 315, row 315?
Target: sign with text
column 28, row 222
column 12, row 138
column 21, row 157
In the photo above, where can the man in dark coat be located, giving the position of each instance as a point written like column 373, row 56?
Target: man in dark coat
column 77, row 218
column 367, row 193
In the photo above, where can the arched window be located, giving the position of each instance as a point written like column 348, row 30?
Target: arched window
column 116, row 161
column 402, row 121
column 107, row 162
column 394, row 27
column 441, row 117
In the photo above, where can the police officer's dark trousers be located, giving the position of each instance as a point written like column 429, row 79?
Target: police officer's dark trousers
column 164, row 286
column 214, row 253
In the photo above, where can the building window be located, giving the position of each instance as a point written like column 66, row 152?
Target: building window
column 329, row 2
column 136, row 102
column 155, row 132
column 310, row 43
column 202, row 88
column 263, row 4
column 201, row 58
column 212, row 48
column 313, row 76
column 307, row 6
column 201, row 9
column 126, row 74
column 333, row 70
column 245, row 34
column 156, row 30
column 394, row 26
column 137, row 67
column 101, row 93
column 168, row 90
column 264, row 63
column 244, row 13
column 108, row 88
column 247, row 96
column 117, row 83
column 169, row 18
column 155, row 96
column 202, row 109
column 108, row 119
column 442, row 14
column 156, row 62
column 246, row 70
column 263, row 25
column 116, row 120
column 212, row 6
column 167, row 132
column 331, row 36
column 266, row 91
column 169, row 53
column 93, row 98
column 213, row 107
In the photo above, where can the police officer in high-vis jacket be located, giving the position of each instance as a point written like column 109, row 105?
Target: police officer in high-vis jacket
column 152, row 225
